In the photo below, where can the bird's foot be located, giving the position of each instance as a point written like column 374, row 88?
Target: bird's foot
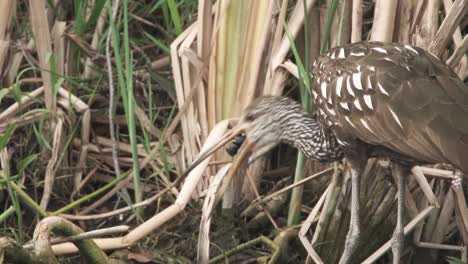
column 398, row 241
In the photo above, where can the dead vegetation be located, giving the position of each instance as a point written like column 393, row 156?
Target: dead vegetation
column 106, row 104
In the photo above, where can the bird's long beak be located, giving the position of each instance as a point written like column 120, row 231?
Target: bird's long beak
column 239, row 159
column 228, row 137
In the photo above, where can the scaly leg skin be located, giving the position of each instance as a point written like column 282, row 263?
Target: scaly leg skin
column 352, row 238
column 398, row 236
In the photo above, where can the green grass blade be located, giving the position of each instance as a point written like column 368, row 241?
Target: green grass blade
column 131, row 107
column 294, row 207
column 159, row 44
column 175, row 16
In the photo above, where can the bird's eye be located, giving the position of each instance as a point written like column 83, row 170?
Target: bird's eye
column 250, row 117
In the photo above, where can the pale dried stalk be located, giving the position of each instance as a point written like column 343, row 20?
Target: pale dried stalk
column 205, row 222
column 259, row 42
column 4, row 47
column 178, row 83
column 15, row 63
column 70, row 102
column 26, row 119
column 147, row 123
column 444, row 219
column 40, row 28
column 25, row 100
column 448, row 26
column 167, row 214
column 114, row 5
column 88, row 69
column 289, row 187
column 58, row 40
column 186, row 191
column 295, row 22
column 346, row 14
column 356, row 32
column 187, row 86
column 49, row 178
column 274, row 80
column 308, row 223
column 408, row 228
column 458, row 53
column 384, row 20
column 82, row 217
column 457, row 40
column 279, row 28
column 404, row 22
column 205, row 20
column 42, row 233
column 86, row 235
column 154, row 151
column 73, row 101
column 7, row 11
column 7, row 8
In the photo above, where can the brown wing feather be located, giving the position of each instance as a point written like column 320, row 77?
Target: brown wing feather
column 397, row 96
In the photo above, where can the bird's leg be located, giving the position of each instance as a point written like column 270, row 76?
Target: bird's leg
column 352, row 238
column 398, row 236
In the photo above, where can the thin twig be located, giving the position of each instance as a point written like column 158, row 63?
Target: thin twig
column 115, row 7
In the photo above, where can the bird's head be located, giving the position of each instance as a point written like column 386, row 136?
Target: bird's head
column 270, row 120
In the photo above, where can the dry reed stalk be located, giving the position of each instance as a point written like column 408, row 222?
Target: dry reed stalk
column 69, row 101
column 187, row 76
column 403, row 22
column 459, row 53
column 408, row 228
column 346, row 15
column 457, row 40
column 7, row 11
column 191, row 182
column 15, row 62
column 167, row 214
column 26, row 119
column 52, row 164
column 58, row 32
column 25, row 101
column 86, row 235
column 384, row 20
column 178, row 83
column 441, row 227
column 205, row 20
column 295, row 22
column 90, row 252
column 147, row 123
column 88, row 70
column 308, row 223
column 4, row 47
column 275, row 78
column 205, row 222
column 40, row 28
column 356, row 28
column 448, row 26
column 257, row 44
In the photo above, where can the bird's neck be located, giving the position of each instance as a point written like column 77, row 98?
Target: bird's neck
column 309, row 136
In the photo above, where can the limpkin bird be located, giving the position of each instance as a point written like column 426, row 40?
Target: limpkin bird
column 371, row 99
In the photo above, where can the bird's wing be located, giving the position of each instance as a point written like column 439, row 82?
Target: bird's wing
column 397, row 96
